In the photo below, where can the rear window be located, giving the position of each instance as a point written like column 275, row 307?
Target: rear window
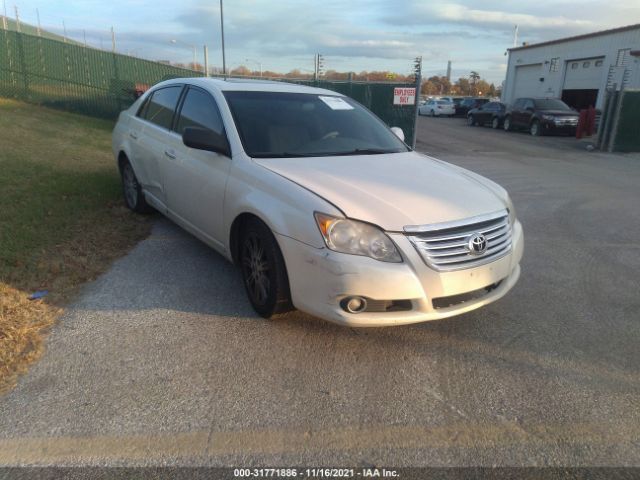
column 161, row 106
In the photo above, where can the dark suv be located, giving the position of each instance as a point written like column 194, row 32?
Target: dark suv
column 468, row 103
column 541, row 116
column 490, row 113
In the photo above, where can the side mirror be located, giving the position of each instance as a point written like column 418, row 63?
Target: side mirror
column 205, row 139
column 398, row 132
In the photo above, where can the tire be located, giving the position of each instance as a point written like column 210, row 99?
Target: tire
column 471, row 121
column 263, row 270
column 495, row 123
column 433, row 113
column 535, row 129
column 132, row 192
column 506, row 125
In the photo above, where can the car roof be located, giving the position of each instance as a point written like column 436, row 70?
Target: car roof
column 248, row 85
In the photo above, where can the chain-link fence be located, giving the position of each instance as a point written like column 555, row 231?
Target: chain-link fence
column 99, row 83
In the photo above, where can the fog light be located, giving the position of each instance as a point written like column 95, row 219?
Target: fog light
column 354, row 304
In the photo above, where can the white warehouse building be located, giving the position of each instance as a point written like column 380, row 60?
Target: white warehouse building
column 576, row 69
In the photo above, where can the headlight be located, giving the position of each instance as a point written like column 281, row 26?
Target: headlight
column 356, row 238
column 512, row 211
column 549, row 117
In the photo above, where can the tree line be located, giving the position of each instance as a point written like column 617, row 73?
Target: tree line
column 472, row 86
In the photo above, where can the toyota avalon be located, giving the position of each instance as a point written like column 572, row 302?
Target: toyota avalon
column 321, row 205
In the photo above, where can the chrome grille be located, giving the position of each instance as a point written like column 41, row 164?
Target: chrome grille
column 445, row 246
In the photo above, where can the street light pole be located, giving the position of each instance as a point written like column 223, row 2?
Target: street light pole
column 255, row 61
column 224, row 63
column 192, row 47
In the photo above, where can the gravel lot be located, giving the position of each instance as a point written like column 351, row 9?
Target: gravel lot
column 162, row 361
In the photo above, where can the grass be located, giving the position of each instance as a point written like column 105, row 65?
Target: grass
column 62, row 221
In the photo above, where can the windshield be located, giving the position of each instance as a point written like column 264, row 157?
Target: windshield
column 275, row 124
column 551, row 104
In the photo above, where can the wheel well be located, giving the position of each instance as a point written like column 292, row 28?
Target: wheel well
column 235, row 234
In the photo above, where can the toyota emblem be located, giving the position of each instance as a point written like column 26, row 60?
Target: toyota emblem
column 477, row 244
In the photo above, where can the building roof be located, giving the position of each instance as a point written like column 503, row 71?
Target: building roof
column 579, row 37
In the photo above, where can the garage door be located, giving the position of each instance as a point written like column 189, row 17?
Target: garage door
column 527, row 82
column 584, row 74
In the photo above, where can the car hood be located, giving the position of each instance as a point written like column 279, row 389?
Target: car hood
column 393, row 190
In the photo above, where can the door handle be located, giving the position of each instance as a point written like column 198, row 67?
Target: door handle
column 133, row 135
column 170, row 154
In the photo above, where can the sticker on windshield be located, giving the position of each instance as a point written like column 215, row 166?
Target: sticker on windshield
column 336, row 103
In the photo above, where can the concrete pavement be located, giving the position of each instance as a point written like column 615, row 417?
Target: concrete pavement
column 162, row 360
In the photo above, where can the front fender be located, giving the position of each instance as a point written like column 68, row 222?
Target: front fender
column 286, row 207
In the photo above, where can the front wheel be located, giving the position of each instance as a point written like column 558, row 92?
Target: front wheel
column 133, row 196
column 471, row 121
column 263, row 270
column 535, row 128
column 433, row 113
column 495, row 123
column 507, row 124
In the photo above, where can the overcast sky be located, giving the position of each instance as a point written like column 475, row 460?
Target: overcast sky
column 352, row 34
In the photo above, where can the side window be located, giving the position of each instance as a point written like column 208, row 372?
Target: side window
column 199, row 110
column 161, row 105
column 143, row 107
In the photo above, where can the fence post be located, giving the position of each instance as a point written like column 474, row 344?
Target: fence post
column 416, row 102
column 23, row 64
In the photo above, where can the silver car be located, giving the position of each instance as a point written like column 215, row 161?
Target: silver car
column 320, row 204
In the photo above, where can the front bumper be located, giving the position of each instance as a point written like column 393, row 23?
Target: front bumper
column 320, row 278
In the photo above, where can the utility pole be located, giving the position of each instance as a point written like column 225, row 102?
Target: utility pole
column 224, row 62
column 206, row 61
column 418, row 73
column 515, row 36
column 39, row 29
column 4, row 17
column 84, row 35
column 64, row 29
column 17, row 19
column 113, row 40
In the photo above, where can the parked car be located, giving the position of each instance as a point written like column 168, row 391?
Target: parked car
column 491, row 113
column 321, row 205
column 435, row 108
column 541, row 116
column 468, row 104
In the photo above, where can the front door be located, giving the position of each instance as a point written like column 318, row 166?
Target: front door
column 195, row 180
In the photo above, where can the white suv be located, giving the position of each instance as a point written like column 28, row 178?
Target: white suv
column 322, row 206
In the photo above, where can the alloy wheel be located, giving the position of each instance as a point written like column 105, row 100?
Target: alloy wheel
column 130, row 186
column 255, row 264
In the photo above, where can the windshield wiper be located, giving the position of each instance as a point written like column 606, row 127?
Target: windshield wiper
column 357, row 151
column 365, row 151
column 284, row 155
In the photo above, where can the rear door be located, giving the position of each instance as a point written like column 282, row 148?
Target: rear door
column 154, row 138
column 195, row 180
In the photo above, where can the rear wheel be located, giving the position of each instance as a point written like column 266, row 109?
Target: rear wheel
column 132, row 192
column 263, row 270
column 471, row 121
column 507, row 124
column 495, row 123
column 535, row 129
column 433, row 113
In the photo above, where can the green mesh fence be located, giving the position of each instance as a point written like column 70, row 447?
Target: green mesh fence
column 627, row 135
column 72, row 77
